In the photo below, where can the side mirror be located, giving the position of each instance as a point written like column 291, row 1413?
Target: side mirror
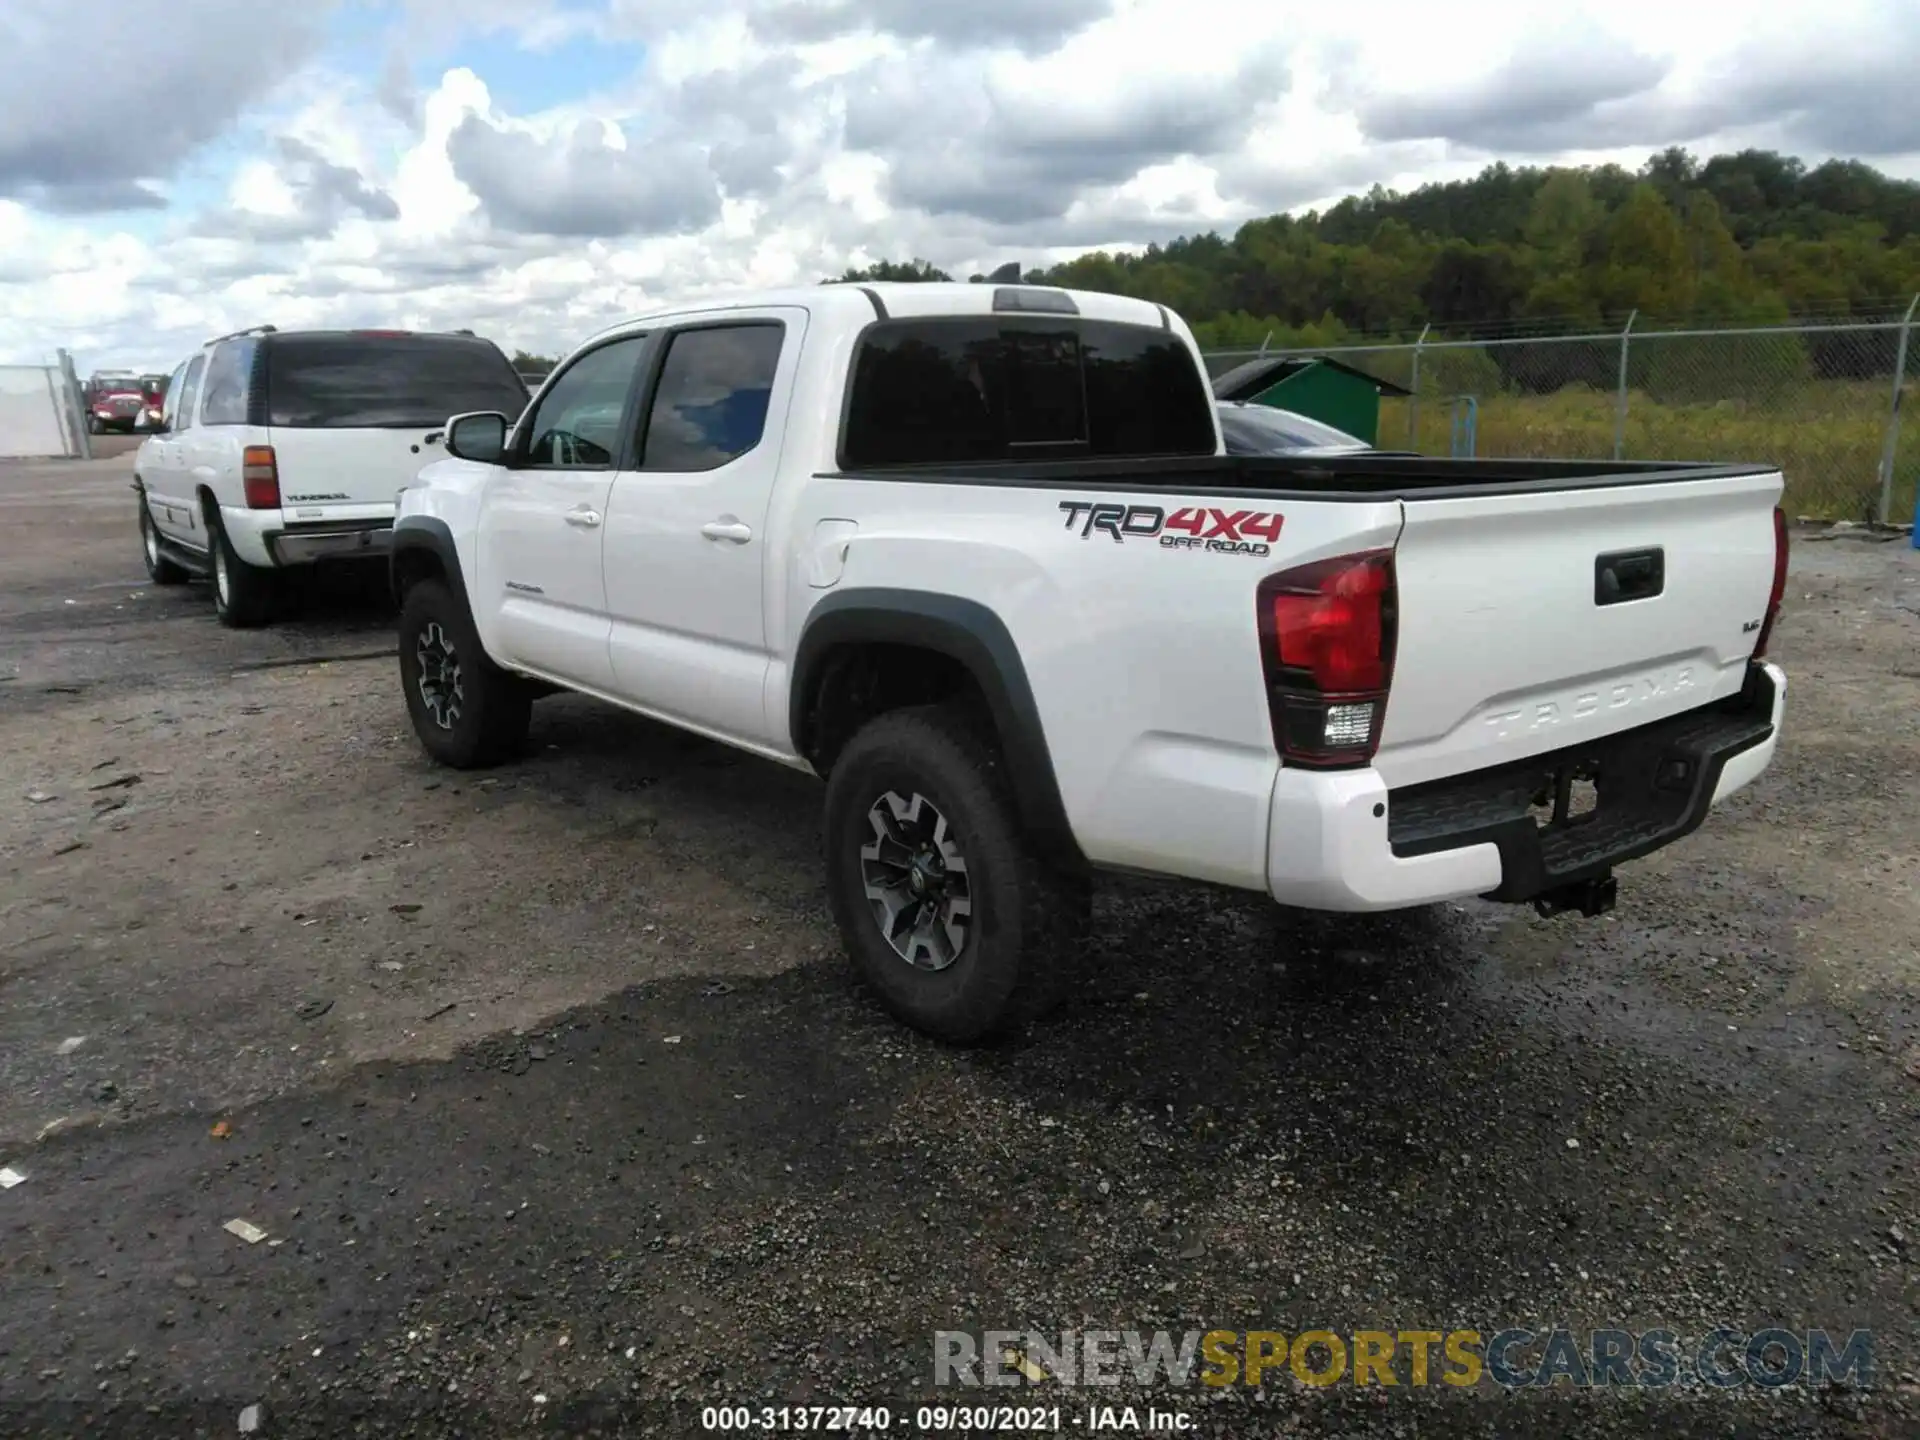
column 478, row 435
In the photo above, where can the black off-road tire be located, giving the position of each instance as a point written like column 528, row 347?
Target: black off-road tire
column 160, row 569
column 1029, row 913
column 486, row 720
column 244, row 596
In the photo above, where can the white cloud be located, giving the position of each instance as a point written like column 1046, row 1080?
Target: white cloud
column 750, row 142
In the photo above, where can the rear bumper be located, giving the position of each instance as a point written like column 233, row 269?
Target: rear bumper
column 368, row 540
column 264, row 537
column 1344, row 841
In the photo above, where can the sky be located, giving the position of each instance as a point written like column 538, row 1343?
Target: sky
column 537, row 169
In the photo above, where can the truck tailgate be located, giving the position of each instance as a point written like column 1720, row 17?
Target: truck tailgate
column 1535, row 619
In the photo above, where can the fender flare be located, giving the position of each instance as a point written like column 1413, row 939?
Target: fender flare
column 415, row 533
column 974, row 636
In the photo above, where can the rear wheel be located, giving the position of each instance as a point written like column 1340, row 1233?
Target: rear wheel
column 949, row 910
column 160, row 569
column 243, row 594
column 467, row 711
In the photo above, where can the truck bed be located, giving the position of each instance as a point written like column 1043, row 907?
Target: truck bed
column 1540, row 603
column 1360, row 477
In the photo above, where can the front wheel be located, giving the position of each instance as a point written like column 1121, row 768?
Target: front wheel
column 467, row 711
column 948, row 909
column 160, row 569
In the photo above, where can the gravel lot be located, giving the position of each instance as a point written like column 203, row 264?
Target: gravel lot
column 560, row 1106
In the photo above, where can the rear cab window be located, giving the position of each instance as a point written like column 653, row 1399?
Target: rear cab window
column 385, row 382
column 973, row 389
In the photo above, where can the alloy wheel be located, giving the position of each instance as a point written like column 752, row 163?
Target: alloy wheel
column 916, row 881
column 441, row 687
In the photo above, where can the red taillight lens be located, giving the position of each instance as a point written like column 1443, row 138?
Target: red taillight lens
column 260, row 477
column 1326, row 637
column 1779, row 592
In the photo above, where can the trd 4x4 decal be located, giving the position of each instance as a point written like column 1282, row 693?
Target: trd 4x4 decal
column 1222, row 532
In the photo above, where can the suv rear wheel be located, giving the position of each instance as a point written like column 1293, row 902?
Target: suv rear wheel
column 467, row 711
column 949, row 911
column 243, row 594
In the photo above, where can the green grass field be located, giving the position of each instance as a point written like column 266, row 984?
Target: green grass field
column 1826, row 437
column 1737, row 396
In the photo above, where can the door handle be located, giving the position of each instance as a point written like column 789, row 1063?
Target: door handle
column 583, row 517
column 727, row 530
column 1629, row 575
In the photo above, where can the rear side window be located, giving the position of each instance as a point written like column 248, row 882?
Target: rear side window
column 226, row 385
column 369, row 382
column 979, row 388
column 711, row 403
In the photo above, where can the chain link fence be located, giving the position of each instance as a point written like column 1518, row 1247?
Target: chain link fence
column 1822, row 402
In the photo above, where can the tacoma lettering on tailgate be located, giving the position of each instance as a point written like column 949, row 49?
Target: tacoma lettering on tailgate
column 1622, row 695
column 1218, row 532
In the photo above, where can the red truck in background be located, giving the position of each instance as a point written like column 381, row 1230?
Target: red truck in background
column 115, row 400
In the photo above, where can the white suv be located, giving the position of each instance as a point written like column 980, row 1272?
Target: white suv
column 282, row 448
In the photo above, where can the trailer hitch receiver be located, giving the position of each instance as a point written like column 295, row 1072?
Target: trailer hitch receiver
column 1590, row 897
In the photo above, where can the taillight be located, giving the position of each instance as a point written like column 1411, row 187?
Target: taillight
column 1779, row 592
column 260, row 477
column 1326, row 641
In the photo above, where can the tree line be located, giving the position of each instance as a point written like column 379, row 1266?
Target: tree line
column 1752, row 238
column 1749, row 238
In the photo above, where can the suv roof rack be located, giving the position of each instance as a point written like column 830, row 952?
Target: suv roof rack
column 250, row 330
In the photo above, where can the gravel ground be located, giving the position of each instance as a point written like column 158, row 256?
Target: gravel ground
column 560, row 1109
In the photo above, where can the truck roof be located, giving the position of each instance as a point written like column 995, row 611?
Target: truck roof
column 856, row 303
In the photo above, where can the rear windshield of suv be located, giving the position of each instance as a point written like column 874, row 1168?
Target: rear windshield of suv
column 965, row 389
column 367, row 382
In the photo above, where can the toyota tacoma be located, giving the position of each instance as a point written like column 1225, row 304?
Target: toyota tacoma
column 976, row 556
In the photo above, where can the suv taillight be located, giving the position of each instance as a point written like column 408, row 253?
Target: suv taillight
column 1779, row 591
column 260, row 477
column 1326, row 641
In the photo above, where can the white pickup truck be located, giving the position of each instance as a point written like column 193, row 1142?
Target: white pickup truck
column 975, row 555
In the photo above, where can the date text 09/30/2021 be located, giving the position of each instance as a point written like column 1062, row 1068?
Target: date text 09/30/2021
column 941, row 1419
